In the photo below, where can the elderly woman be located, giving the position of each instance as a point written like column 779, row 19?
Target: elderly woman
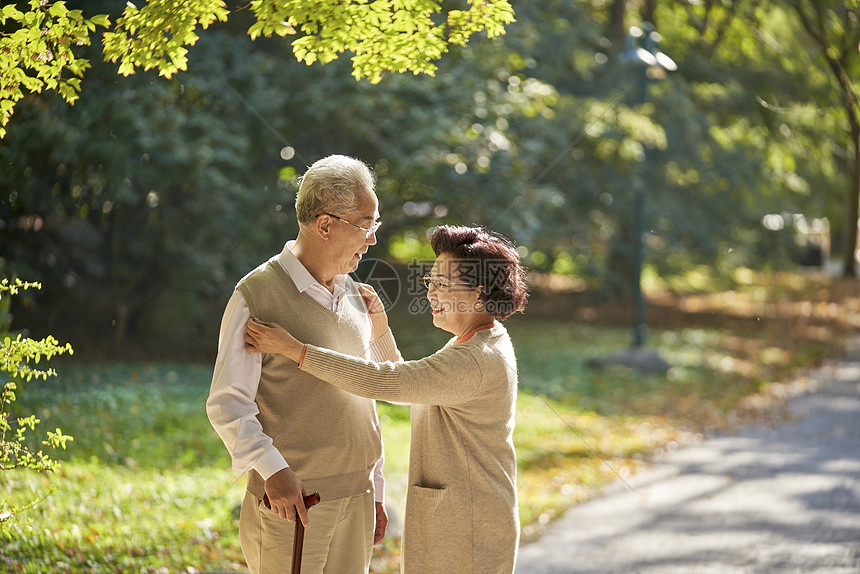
column 461, row 507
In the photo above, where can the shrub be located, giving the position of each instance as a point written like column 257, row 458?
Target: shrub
column 19, row 358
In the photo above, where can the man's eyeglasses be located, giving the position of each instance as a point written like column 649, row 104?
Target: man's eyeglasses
column 439, row 283
column 368, row 231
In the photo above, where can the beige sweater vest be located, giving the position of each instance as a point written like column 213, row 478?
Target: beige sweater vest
column 330, row 438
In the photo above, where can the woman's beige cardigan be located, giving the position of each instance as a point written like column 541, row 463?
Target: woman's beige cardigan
column 461, row 508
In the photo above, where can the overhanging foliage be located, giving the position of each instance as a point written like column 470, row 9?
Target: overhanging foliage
column 37, row 47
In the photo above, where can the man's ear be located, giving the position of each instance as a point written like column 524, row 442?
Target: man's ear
column 322, row 226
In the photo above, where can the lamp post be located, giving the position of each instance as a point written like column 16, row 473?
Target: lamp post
column 649, row 62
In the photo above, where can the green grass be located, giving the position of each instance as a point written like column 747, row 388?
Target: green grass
column 116, row 519
column 146, row 485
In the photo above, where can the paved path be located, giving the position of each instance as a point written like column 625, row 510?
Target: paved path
column 766, row 500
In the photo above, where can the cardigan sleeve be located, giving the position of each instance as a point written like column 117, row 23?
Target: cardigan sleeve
column 385, row 349
column 445, row 378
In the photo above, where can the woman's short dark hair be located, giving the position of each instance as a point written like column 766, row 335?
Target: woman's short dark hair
column 488, row 260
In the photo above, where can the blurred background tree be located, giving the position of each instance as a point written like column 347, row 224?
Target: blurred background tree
column 149, row 198
column 833, row 34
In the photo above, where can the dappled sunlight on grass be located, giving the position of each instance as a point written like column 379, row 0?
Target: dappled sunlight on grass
column 104, row 518
column 813, row 303
column 146, row 484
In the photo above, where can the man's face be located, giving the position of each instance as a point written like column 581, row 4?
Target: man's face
column 351, row 241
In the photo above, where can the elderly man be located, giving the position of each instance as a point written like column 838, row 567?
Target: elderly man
column 291, row 432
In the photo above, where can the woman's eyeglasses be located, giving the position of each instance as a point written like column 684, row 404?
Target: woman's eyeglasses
column 439, row 283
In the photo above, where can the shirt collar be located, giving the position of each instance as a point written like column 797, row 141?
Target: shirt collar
column 302, row 277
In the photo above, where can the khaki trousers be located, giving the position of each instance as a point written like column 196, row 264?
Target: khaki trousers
column 339, row 539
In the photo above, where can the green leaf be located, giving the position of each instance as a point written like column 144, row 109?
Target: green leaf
column 58, row 9
column 255, row 30
column 102, row 20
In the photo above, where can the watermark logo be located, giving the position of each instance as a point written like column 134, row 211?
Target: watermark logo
column 392, row 282
column 384, row 279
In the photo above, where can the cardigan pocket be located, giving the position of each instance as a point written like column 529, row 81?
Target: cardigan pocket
column 427, row 493
column 436, row 533
column 429, row 503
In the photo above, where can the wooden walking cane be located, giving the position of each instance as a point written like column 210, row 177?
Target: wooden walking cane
column 299, row 538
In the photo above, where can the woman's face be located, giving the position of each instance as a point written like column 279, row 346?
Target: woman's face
column 451, row 301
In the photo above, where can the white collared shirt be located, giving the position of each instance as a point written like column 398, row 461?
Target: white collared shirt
column 232, row 407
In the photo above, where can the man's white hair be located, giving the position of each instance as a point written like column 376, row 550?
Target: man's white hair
column 330, row 185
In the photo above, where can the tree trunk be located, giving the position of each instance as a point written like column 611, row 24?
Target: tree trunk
column 617, row 30
column 853, row 205
column 648, row 11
